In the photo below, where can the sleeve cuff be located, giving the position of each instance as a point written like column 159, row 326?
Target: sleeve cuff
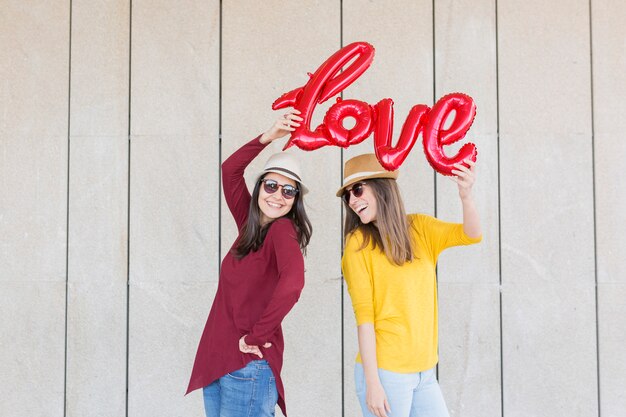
column 254, row 341
column 364, row 318
column 471, row 240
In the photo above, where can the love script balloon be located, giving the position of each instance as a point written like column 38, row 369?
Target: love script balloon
column 323, row 84
column 330, row 79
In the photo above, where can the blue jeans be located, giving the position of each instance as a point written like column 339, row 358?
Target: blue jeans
column 409, row 395
column 247, row 392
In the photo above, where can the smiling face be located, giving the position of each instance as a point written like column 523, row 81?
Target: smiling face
column 275, row 205
column 364, row 206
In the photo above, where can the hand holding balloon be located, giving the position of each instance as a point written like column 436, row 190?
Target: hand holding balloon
column 464, row 176
column 285, row 124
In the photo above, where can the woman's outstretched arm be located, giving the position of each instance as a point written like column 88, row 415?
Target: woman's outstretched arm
column 465, row 178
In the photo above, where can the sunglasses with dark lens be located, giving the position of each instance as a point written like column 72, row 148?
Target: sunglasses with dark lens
column 356, row 190
column 271, row 186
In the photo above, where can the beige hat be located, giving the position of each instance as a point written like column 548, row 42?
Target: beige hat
column 286, row 164
column 361, row 168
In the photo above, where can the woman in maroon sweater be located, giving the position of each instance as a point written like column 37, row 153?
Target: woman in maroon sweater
column 240, row 355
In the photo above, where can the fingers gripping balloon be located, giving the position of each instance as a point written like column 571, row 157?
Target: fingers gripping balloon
column 328, row 81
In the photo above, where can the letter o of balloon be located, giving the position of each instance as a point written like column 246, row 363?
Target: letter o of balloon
column 334, row 117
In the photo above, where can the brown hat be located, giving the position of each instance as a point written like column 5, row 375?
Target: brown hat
column 363, row 167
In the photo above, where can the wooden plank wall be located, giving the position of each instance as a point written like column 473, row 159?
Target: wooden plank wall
column 116, row 115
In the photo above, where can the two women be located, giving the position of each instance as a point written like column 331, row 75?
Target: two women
column 240, row 354
column 389, row 265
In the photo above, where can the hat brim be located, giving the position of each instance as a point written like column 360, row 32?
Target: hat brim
column 386, row 174
column 303, row 188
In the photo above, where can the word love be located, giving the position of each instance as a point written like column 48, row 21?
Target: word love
column 329, row 80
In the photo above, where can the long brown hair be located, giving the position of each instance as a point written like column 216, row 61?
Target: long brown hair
column 253, row 233
column 391, row 231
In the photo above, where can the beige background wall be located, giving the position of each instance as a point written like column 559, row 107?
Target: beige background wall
column 115, row 116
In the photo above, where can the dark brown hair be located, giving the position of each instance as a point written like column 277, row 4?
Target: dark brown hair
column 253, row 233
column 391, row 231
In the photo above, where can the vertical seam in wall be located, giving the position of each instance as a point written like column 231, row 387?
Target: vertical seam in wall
column 435, row 172
column 341, row 287
column 595, row 224
column 67, row 213
column 128, row 184
column 434, row 100
column 219, row 165
column 219, row 146
column 499, row 213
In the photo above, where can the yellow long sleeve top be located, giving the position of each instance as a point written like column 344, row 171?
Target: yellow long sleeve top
column 401, row 300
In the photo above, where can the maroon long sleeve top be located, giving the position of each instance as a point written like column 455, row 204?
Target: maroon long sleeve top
column 254, row 293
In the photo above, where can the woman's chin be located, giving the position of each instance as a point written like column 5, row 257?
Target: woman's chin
column 365, row 219
column 272, row 214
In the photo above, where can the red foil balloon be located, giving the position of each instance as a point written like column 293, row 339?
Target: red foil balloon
column 360, row 111
column 435, row 136
column 331, row 78
column 392, row 157
column 326, row 82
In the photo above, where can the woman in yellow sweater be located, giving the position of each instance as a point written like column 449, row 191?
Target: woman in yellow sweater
column 389, row 265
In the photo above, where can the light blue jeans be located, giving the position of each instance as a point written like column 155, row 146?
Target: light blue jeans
column 247, row 392
column 409, row 395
